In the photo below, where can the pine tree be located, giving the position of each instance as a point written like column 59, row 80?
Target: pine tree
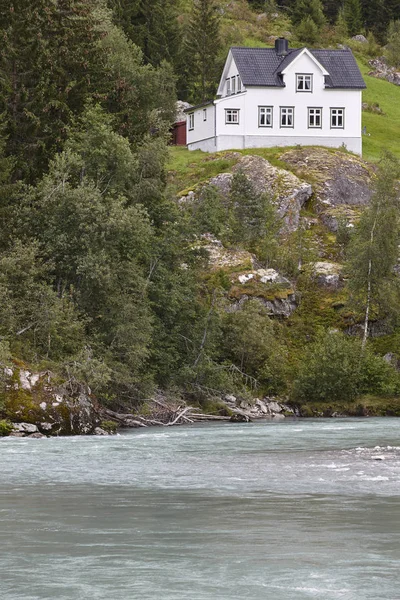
column 202, row 46
column 353, row 16
column 152, row 25
column 307, row 31
column 308, row 8
column 49, row 65
column 341, row 29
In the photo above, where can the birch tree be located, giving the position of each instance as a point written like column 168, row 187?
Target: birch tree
column 374, row 251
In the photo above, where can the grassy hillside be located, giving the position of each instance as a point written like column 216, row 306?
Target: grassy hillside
column 383, row 131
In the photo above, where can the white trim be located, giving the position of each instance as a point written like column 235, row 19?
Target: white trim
column 222, row 81
column 311, row 56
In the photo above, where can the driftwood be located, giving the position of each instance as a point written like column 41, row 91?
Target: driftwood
column 173, row 416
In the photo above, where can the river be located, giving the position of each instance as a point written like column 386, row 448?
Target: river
column 290, row 510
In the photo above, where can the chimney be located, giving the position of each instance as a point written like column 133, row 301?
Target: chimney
column 281, row 46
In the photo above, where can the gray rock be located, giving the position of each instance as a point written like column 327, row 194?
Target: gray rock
column 25, row 427
column 360, row 38
column 382, row 70
column 274, row 407
column 100, row 431
column 288, row 191
column 229, row 399
column 46, row 426
column 17, row 434
column 37, row 435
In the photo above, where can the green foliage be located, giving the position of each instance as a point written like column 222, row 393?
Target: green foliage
column 308, row 10
column 393, row 46
column 335, row 369
column 373, row 251
column 109, row 426
column 6, row 428
column 353, row 16
column 341, row 28
column 202, row 49
column 251, row 342
column 152, row 25
column 307, row 31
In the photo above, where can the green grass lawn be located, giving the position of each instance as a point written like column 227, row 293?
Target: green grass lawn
column 383, row 131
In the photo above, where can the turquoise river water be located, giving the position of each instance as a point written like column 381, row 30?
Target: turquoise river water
column 290, row 510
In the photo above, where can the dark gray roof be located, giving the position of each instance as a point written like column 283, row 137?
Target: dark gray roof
column 263, row 67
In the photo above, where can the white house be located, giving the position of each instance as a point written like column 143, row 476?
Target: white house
column 281, row 97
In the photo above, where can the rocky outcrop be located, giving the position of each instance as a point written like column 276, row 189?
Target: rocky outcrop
column 328, row 274
column 265, row 408
column 288, row 191
column 382, row 70
column 266, row 286
column 342, row 182
column 220, row 257
column 37, row 403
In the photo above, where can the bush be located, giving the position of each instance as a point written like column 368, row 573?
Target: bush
column 109, row 426
column 336, row 369
column 5, row 428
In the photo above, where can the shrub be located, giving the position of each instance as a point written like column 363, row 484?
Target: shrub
column 335, row 369
column 109, row 426
column 5, row 428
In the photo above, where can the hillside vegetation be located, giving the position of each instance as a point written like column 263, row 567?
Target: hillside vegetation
column 128, row 267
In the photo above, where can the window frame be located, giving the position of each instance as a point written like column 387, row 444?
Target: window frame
column 239, row 84
column 315, row 108
column 336, row 108
column 228, row 86
column 191, row 121
column 233, row 85
column 271, row 111
column 281, row 109
column 304, row 91
column 232, row 110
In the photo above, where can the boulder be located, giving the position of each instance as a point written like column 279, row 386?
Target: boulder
column 37, row 435
column 37, row 403
column 220, row 257
column 25, row 428
column 342, row 182
column 100, row 431
column 288, row 191
column 327, row 274
column 360, row 38
column 382, row 70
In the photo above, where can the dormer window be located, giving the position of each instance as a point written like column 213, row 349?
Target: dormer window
column 303, row 82
column 228, row 86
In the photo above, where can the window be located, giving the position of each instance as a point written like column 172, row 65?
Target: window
column 314, row 118
column 304, row 83
column 228, row 86
column 232, row 116
column 265, row 116
column 287, row 116
column 239, row 84
column 204, row 114
column 337, row 118
column 233, row 85
column 191, row 121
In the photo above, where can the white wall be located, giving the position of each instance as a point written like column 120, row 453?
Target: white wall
column 203, row 130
